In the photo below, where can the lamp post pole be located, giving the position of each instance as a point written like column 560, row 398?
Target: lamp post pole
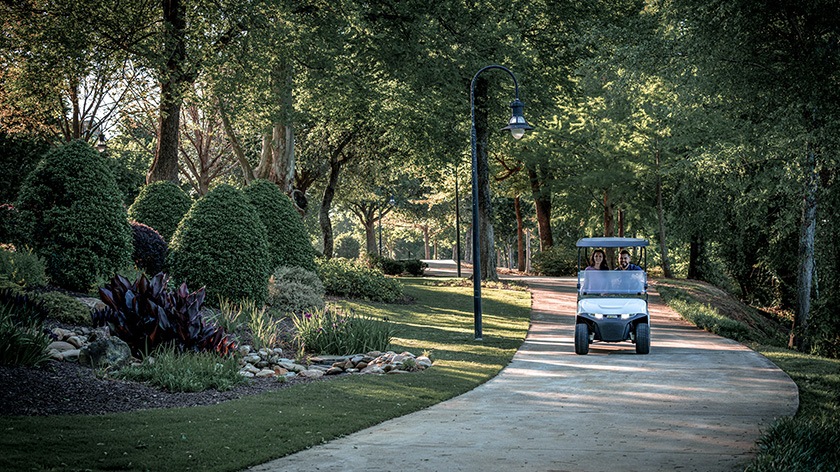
column 517, row 126
column 457, row 225
column 380, row 228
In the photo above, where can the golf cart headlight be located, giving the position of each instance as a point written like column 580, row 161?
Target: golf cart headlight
column 625, row 316
column 598, row 316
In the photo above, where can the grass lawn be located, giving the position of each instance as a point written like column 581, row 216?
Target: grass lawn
column 809, row 440
column 253, row 430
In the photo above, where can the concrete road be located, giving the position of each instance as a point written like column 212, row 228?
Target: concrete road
column 697, row 402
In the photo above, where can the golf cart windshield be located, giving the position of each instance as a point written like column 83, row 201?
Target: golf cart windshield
column 612, row 282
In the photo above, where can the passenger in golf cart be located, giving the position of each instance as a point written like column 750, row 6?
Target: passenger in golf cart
column 612, row 304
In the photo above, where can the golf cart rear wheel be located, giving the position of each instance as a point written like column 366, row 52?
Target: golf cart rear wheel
column 582, row 339
column 643, row 338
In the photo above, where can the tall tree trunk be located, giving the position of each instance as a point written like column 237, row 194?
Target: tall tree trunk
column 520, row 243
column 609, row 227
column 426, row 241
column 247, row 172
column 542, row 203
column 326, row 204
column 695, row 257
column 370, row 237
column 283, row 149
column 165, row 164
column 663, row 241
column 798, row 336
column 487, row 250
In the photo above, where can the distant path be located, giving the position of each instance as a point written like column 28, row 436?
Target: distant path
column 697, row 402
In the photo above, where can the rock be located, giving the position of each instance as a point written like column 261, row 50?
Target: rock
column 261, row 363
column 396, row 371
column 105, row 353
column 246, row 374
column 61, row 346
column 407, row 354
column 362, row 365
column 250, row 368
column 373, row 369
column 280, row 371
column 71, row 355
column 76, row 341
column 424, row 362
column 351, row 371
column 55, row 355
column 62, row 334
column 92, row 303
column 244, row 349
column 374, row 354
column 265, row 373
column 312, row 374
column 334, row 371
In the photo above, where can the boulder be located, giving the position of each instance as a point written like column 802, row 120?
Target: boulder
column 107, row 352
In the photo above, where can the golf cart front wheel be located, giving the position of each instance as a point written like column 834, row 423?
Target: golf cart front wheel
column 582, row 339
column 643, row 338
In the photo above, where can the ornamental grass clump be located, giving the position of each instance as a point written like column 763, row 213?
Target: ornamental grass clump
column 265, row 330
column 23, row 340
column 335, row 332
column 178, row 371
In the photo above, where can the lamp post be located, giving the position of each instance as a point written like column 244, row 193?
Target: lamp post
column 101, row 146
column 457, row 225
column 517, row 126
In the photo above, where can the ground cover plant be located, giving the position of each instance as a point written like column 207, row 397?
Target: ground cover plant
column 252, row 430
column 178, row 371
column 808, row 440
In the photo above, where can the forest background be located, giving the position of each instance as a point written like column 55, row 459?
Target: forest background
column 709, row 127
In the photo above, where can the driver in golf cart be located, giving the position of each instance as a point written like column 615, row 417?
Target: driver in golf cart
column 612, row 304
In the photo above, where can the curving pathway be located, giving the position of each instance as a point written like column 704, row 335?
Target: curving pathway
column 697, row 402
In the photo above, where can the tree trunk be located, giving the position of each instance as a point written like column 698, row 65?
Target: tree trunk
column 487, row 251
column 520, row 243
column 542, row 202
column 283, row 162
column 798, row 336
column 426, row 241
column 326, row 204
column 247, row 172
column 695, row 257
column 663, row 241
column 527, row 250
column 165, row 164
column 609, row 227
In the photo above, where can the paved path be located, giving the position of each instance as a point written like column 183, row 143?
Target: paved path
column 697, row 402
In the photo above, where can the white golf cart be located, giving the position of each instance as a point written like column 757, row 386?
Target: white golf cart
column 612, row 305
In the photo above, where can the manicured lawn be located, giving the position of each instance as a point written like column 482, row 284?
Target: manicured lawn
column 253, row 430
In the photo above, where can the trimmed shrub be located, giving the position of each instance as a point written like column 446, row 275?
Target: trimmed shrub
column 66, row 309
column 288, row 243
column 345, row 278
column 149, row 248
column 19, row 154
column 128, row 181
column 71, row 212
column 391, row 266
column 415, row 267
column 295, row 290
column 23, row 267
column 160, row 205
column 348, row 247
column 220, row 244
column 555, row 262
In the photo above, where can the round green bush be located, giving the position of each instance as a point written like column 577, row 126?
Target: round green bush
column 348, row 247
column 295, row 290
column 160, row 205
column 71, row 212
column 288, row 243
column 220, row 244
column 345, row 278
column 556, row 262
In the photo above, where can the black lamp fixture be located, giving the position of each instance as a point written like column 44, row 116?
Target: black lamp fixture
column 101, row 146
column 517, row 126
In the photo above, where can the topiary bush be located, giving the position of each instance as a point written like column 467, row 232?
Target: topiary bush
column 415, row 267
column 149, row 248
column 23, row 267
column 295, row 290
column 220, row 244
column 288, row 243
column 71, row 213
column 160, row 205
column 345, row 278
column 391, row 266
column 555, row 262
column 348, row 247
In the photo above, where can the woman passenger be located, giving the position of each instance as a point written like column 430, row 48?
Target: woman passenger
column 598, row 261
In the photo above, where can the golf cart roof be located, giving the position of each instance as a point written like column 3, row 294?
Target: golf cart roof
column 612, row 242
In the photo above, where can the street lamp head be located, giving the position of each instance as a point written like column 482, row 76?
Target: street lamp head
column 517, row 124
column 100, row 145
column 392, row 202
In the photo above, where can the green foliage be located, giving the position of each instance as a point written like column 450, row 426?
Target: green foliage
column 288, row 243
column 23, row 340
column 160, row 205
column 391, row 266
column 18, row 157
column 72, row 214
column 149, row 248
column 345, row 278
column 229, row 317
column 128, row 181
column 798, row 444
column 556, row 262
column 347, row 246
column 6, row 284
column 295, row 290
column 221, row 244
column 146, row 315
column 66, row 309
column 265, row 330
column 336, row 332
column 704, row 316
column 415, row 267
column 178, row 371
column 10, row 232
column 23, row 267
column 823, row 334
